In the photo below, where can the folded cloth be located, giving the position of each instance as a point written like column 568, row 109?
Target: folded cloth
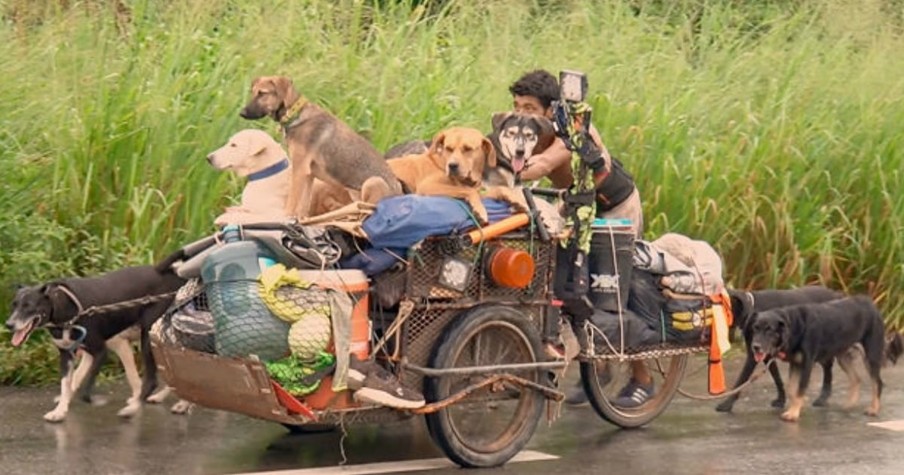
column 402, row 221
column 374, row 261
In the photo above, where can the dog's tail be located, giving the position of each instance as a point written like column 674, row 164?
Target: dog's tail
column 184, row 253
column 894, row 346
column 166, row 265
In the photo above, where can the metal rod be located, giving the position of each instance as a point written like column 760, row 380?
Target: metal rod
column 468, row 370
column 548, row 392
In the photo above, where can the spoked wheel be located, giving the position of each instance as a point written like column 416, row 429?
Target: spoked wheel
column 491, row 424
column 604, row 379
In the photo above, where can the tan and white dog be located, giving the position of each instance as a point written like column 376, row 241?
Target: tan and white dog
column 254, row 154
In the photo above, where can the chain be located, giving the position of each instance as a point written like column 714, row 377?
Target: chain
column 123, row 305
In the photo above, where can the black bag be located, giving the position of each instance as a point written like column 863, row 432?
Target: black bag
column 676, row 320
column 637, row 331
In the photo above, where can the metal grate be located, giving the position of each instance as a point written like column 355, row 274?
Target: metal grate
column 425, row 266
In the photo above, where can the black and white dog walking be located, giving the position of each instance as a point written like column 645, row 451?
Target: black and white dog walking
column 60, row 306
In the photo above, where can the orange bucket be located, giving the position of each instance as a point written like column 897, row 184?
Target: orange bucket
column 511, row 268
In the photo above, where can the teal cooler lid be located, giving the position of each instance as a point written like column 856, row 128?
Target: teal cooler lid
column 616, row 222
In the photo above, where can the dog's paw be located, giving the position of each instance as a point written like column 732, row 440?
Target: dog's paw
column 789, row 416
column 130, row 410
column 821, row 402
column 725, row 406
column 778, row 403
column 871, row 412
column 482, row 217
column 182, row 407
column 98, row 401
column 56, row 415
column 158, row 397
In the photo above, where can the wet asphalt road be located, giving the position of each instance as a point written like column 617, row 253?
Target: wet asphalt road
column 689, row 438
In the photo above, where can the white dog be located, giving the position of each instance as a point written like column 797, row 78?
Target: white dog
column 254, row 154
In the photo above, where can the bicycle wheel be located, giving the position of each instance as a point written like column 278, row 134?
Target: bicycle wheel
column 603, row 379
column 494, row 423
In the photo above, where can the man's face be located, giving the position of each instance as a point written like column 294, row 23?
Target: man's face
column 530, row 105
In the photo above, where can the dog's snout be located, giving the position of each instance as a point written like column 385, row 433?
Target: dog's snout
column 210, row 158
column 757, row 348
column 10, row 326
column 453, row 167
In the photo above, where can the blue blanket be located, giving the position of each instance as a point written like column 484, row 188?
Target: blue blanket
column 400, row 222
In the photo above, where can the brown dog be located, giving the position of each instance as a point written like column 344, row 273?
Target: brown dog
column 453, row 166
column 320, row 145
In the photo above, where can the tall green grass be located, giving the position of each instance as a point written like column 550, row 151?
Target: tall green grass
column 770, row 129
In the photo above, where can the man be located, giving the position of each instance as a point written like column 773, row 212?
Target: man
column 616, row 197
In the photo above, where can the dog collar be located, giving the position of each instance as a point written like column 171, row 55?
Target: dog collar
column 269, row 171
column 288, row 120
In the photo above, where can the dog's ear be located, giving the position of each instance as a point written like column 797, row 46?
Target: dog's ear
column 439, row 141
column 257, row 147
column 283, row 87
column 547, row 133
column 58, row 300
column 499, row 118
column 489, row 152
column 789, row 332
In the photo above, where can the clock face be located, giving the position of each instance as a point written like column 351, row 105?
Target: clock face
column 455, row 274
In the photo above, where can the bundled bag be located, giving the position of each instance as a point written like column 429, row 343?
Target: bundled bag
column 686, row 266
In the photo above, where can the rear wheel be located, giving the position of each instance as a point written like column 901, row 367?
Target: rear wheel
column 604, row 379
column 494, row 423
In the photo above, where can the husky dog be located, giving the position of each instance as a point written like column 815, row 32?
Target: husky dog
column 516, row 137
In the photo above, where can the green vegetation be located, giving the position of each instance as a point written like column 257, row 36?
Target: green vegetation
column 770, row 129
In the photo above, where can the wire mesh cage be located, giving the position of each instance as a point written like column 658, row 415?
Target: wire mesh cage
column 430, row 263
column 188, row 322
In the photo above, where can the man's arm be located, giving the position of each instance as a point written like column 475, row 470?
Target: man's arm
column 542, row 164
column 557, row 155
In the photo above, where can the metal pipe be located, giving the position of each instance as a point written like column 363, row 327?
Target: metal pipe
column 468, row 370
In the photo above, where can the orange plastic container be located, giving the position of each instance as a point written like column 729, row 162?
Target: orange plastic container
column 511, row 268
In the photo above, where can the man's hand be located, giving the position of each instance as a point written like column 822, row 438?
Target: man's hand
column 591, row 154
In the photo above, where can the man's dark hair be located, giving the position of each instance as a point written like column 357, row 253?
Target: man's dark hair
column 540, row 84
